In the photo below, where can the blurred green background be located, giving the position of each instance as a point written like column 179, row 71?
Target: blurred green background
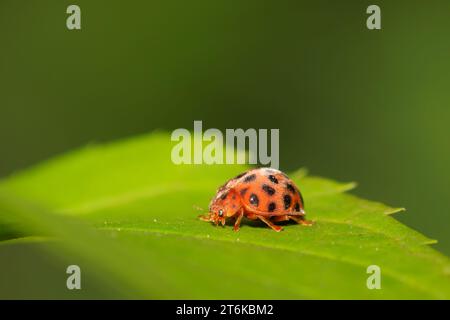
column 351, row 104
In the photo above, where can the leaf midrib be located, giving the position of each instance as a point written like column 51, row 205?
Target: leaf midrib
column 124, row 198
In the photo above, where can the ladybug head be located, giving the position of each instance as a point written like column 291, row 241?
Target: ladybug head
column 224, row 204
column 217, row 214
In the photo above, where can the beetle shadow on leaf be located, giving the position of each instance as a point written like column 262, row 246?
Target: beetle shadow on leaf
column 259, row 224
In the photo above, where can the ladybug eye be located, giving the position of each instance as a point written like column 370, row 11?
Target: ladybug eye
column 220, row 213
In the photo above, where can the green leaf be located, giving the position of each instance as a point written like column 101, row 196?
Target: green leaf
column 125, row 213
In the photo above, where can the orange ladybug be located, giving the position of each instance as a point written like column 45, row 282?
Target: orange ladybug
column 264, row 193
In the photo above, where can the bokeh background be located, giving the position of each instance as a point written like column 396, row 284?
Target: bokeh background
column 351, row 104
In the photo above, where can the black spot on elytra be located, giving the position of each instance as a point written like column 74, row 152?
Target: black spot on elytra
column 290, row 187
column 240, row 175
column 233, row 197
column 250, row 178
column 272, row 206
column 254, row 199
column 268, row 189
column 297, row 207
column 273, row 178
column 244, row 191
column 287, row 201
column 224, row 196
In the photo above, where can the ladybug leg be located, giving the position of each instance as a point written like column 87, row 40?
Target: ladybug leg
column 280, row 218
column 205, row 217
column 301, row 220
column 270, row 224
column 237, row 223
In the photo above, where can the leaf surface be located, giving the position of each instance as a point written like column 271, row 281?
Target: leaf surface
column 125, row 212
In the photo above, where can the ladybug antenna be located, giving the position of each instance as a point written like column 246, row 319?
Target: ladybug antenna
column 197, row 208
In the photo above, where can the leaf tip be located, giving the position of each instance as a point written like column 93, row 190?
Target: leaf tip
column 391, row 211
column 300, row 173
column 349, row 186
column 430, row 241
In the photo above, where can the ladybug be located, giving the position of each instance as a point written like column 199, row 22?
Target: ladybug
column 266, row 194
